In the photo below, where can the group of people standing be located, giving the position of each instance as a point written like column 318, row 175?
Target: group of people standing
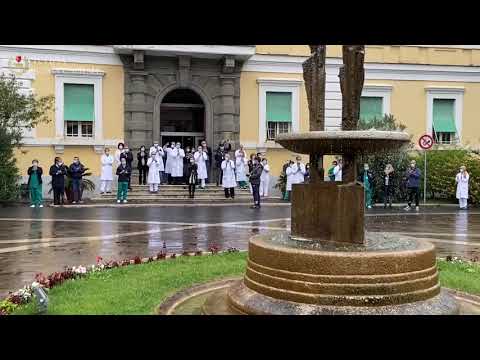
column 171, row 164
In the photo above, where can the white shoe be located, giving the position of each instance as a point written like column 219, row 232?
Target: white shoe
column 74, row 202
column 125, row 201
column 40, row 206
column 118, row 201
column 417, row 208
column 32, row 206
column 369, row 207
column 407, row 208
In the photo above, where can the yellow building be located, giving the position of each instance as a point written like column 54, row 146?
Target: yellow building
column 248, row 94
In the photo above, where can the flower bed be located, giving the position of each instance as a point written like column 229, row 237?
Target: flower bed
column 26, row 294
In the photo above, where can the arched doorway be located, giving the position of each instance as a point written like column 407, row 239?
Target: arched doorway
column 182, row 118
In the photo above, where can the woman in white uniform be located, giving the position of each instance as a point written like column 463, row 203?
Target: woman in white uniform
column 177, row 166
column 153, row 164
column 462, row 179
column 240, row 167
column 106, row 176
column 201, row 158
column 228, row 178
column 171, row 152
column 290, row 172
column 120, row 150
column 265, row 179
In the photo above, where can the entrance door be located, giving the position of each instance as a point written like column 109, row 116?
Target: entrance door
column 182, row 118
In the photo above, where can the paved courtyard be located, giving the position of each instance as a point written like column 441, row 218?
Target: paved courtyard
column 48, row 239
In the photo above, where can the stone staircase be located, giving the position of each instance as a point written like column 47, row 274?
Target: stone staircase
column 141, row 194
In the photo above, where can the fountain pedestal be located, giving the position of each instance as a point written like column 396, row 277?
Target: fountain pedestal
column 326, row 211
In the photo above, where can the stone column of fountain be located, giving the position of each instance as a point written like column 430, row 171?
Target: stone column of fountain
column 328, row 265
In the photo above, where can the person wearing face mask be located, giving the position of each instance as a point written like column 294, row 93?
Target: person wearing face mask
column 208, row 164
column 366, row 178
column 331, row 175
column 201, row 158
column 290, row 173
column 58, row 172
column 412, row 177
column 106, row 176
column 337, row 171
column 118, row 152
column 35, row 184
column 240, row 167
column 300, row 171
column 76, row 171
column 177, row 167
column 128, row 155
column 154, row 163
column 228, row 176
column 171, row 153
column 388, row 185
column 142, row 158
column 186, row 163
column 254, row 178
column 462, row 179
column 265, row 179
column 219, row 157
column 123, row 171
column 192, row 177
column 161, row 154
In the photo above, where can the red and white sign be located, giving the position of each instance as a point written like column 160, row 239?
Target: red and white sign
column 425, row 142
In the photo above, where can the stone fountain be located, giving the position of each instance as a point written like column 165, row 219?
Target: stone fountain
column 328, row 264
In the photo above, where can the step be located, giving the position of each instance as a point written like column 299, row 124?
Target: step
column 182, row 196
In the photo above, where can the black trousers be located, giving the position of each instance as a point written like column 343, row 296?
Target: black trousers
column 208, row 165
column 191, row 190
column 230, row 192
column 256, row 194
column 413, row 191
column 387, row 194
column 58, row 195
column 142, row 175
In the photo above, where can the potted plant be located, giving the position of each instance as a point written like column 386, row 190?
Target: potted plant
column 282, row 184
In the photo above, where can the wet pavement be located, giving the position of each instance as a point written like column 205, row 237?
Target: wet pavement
column 48, row 239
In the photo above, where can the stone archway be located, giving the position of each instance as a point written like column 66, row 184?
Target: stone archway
column 206, row 101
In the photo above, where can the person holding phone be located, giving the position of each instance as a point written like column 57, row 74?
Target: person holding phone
column 462, row 179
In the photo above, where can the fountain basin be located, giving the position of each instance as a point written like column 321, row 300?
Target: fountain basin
column 343, row 142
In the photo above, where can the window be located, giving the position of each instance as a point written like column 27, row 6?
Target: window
column 278, row 113
column 78, row 109
column 444, row 128
column 371, row 107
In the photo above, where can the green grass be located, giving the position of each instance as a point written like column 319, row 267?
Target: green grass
column 462, row 276
column 139, row 289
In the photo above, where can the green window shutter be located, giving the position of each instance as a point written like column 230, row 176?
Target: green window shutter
column 444, row 115
column 371, row 107
column 78, row 103
column 279, row 106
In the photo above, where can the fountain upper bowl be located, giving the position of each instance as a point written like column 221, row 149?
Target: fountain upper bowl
column 343, row 142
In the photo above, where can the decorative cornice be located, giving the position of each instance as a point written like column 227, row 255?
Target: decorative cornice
column 280, row 81
column 445, row 89
column 78, row 72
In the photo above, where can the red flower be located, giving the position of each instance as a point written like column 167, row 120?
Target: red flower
column 137, row 260
column 99, row 258
column 18, row 58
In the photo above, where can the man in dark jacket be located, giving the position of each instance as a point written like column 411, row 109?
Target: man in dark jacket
column 413, row 183
column 255, row 181
column 58, row 172
column 223, row 148
column 35, row 184
column 128, row 155
column 76, row 171
column 142, row 158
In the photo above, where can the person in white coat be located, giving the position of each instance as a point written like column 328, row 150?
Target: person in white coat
column 177, row 165
column 290, row 173
column 337, row 171
column 228, row 178
column 241, row 163
column 201, row 158
column 106, row 176
column 265, row 178
column 462, row 179
column 159, row 151
column 300, row 171
column 171, row 153
column 120, row 150
column 153, row 164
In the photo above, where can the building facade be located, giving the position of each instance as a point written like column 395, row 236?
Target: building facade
column 247, row 94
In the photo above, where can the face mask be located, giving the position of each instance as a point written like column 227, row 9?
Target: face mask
column 222, row 147
column 120, row 147
column 366, row 168
column 192, row 161
column 412, row 165
column 178, row 146
column 172, row 146
column 155, row 144
column 142, row 149
column 75, row 161
column 124, row 163
column 227, row 158
column 35, row 164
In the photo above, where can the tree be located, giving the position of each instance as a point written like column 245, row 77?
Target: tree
column 18, row 112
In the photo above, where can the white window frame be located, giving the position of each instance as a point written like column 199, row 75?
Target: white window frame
column 84, row 77
column 451, row 93
column 379, row 90
column 277, row 85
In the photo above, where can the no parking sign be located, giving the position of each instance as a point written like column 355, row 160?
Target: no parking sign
column 426, row 143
